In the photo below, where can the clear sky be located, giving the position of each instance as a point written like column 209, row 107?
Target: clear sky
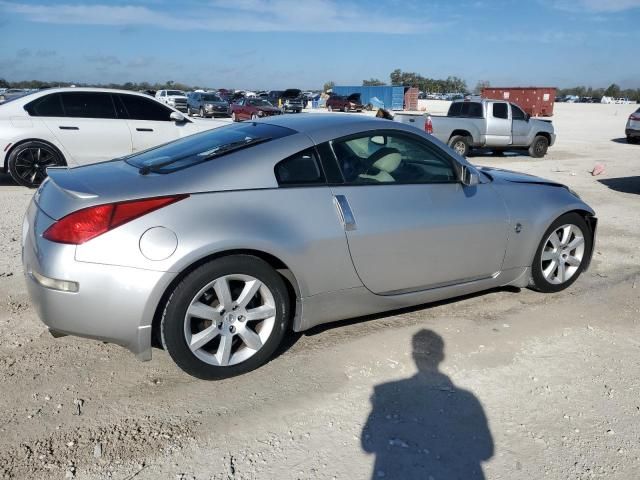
column 303, row 43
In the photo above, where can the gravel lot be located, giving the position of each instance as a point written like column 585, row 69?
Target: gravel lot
column 530, row 386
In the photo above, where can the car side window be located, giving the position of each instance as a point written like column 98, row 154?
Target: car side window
column 88, row 105
column 517, row 113
column 302, row 168
column 392, row 158
column 141, row 108
column 500, row 110
column 47, row 106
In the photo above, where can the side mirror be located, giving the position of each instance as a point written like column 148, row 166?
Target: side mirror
column 468, row 176
column 177, row 117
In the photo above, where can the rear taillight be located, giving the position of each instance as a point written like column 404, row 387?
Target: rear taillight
column 83, row 225
column 634, row 116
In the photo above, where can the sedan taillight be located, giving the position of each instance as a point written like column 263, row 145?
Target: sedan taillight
column 83, row 225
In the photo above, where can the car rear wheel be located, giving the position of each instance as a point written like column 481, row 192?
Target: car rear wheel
column 539, row 147
column 226, row 318
column 460, row 144
column 562, row 254
column 28, row 162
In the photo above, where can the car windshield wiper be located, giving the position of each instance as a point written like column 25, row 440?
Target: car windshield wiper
column 214, row 152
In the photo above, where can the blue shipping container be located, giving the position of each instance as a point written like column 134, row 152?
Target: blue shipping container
column 392, row 97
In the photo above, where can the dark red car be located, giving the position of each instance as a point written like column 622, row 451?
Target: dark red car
column 252, row 109
column 345, row 103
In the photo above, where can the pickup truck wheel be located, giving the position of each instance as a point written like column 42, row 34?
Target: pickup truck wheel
column 539, row 147
column 460, row 145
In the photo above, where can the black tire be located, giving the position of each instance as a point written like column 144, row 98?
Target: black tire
column 540, row 283
column 189, row 112
column 234, row 117
column 24, row 166
column 539, row 147
column 202, row 114
column 173, row 318
column 460, row 144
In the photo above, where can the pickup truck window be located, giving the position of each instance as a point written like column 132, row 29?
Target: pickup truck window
column 517, row 113
column 465, row 109
column 500, row 110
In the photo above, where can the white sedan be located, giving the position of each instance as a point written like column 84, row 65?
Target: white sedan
column 77, row 126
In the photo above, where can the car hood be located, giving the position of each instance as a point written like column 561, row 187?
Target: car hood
column 517, row 177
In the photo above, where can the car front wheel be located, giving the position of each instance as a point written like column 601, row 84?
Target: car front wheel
column 226, row 318
column 562, row 254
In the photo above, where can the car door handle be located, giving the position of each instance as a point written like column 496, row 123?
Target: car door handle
column 344, row 212
column 144, row 129
column 63, row 127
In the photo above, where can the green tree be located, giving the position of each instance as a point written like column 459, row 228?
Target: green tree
column 612, row 90
column 372, row 82
column 328, row 86
column 482, row 84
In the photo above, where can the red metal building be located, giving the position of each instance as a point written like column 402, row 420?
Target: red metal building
column 536, row 101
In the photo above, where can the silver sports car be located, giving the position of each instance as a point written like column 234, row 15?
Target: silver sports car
column 215, row 245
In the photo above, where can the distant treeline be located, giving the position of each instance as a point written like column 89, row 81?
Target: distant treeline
column 424, row 84
column 612, row 90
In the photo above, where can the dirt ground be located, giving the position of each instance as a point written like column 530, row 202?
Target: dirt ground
column 517, row 384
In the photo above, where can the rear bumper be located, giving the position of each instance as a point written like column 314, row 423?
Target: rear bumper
column 112, row 303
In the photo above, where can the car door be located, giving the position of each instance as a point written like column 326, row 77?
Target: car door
column 498, row 124
column 90, row 130
column 520, row 126
column 149, row 121
column 410, row 224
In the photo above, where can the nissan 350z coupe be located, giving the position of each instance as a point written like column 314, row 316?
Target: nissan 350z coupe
column 215, row 245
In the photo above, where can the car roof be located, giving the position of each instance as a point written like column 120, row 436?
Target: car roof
column 310, row 123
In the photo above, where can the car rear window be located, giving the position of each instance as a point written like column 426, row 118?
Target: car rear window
column 205, row 146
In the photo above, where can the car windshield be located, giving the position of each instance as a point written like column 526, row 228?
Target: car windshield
column 205, row 146
column 211, row 98
column 175, row 93
column 259, row 102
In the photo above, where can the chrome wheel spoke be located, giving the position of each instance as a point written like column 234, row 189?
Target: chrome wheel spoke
column 575, row 243
column 260, row 313
column 561, row 272
column 248, row 292
column 555, row 240
column 250, row 338
column 200, row 339
column 573, row 261
column 201, row 310
column 223, row 354
column 547, row 255
column 221, row 287
column 547, row 272
column 566, row 234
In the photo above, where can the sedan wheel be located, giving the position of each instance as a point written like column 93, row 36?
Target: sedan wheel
column 234, row 118
column 254, row 116
column 562, row 253
column 226, row 318
column 28, row 163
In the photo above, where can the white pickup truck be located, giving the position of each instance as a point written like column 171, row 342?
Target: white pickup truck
column 174, row 98
column 493, row 125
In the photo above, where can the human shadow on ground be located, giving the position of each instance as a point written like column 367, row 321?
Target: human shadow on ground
column 424, row 427
column 623, row 184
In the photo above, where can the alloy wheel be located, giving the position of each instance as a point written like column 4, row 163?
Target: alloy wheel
column 229, row 320
column 460, row 147
column 562, row 254
column 31, row 164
